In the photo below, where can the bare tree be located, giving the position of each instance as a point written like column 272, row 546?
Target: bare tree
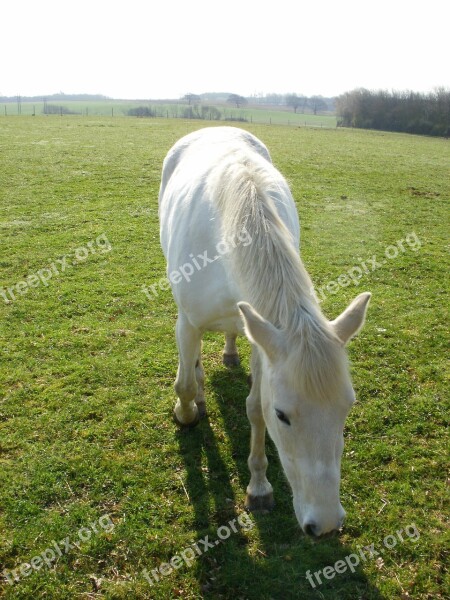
column 191, row 98
column 236, row 100
column 295, row 101
column 317, row 103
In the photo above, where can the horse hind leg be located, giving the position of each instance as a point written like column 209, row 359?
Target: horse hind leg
column 189, row 381
column 230, row 353
column 200, row 396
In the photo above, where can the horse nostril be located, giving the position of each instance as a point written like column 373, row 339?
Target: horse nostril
column 311, row 529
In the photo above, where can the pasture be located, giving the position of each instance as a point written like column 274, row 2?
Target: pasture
column 119, row 108
column 97, row 484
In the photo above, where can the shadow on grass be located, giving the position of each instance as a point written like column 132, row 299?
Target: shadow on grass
column 274, row 565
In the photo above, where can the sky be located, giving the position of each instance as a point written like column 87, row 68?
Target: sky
column 166, row 49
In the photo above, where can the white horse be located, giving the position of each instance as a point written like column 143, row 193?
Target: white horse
column 230, row 234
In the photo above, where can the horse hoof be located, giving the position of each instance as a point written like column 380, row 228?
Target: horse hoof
column 190, row 425
column 259, row 503
column 231, row 360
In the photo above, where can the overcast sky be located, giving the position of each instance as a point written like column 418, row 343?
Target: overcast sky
column 165, row 49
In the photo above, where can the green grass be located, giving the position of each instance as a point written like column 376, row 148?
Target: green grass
column 88, row 364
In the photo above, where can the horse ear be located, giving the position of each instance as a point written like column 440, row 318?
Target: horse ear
column 352, row 319
column 261, row 332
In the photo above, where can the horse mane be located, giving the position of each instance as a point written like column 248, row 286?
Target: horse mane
column 270, row 271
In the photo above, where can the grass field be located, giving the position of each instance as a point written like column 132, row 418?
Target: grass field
column 98, row 484
column 120, row 108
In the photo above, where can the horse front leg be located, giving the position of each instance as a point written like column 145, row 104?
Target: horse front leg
column 259, row 490
column 189, row 381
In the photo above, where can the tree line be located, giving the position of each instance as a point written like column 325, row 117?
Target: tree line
column 297, row 102
column 408, row 112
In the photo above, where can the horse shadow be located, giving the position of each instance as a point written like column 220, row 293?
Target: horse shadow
column 269, row 557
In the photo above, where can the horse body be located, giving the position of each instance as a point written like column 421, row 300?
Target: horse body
column 230, row 234
column 192, row 224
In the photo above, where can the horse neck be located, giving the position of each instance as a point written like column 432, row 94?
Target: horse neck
column 280, row 289
column 279, row 286
column 269, row 269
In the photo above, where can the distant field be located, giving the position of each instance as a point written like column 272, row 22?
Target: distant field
column 120, row 108
column 96, row 481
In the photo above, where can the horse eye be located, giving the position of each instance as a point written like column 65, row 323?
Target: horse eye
column 280, row 414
